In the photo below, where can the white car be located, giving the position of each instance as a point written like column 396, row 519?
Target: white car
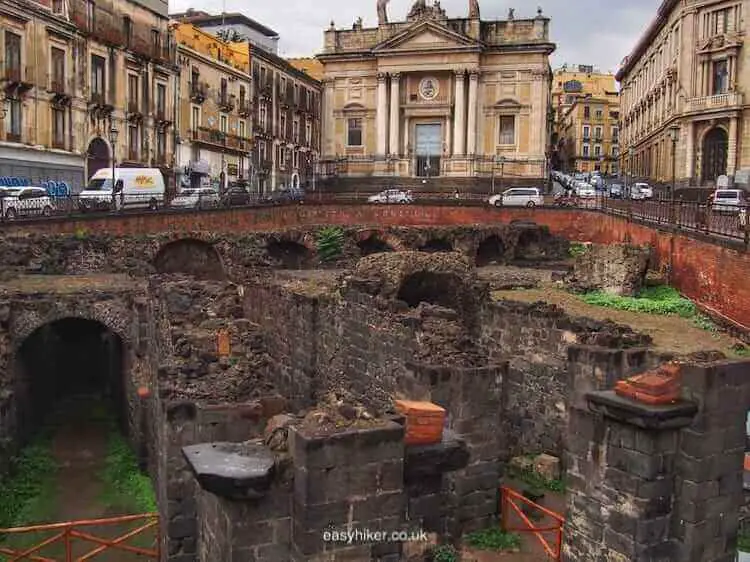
column 202, row 198
column 729, row 200
column 391, row 196
column 518, row 197
column 585, row 190
column 25, row 202
column 641, row 191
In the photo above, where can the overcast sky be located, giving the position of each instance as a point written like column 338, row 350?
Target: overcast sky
column 598, row 32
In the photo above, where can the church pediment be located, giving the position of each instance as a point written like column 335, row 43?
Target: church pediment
column 426, row 35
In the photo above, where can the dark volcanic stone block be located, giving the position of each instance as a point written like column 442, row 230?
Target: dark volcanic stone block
column 429, row 460
column 232, row 470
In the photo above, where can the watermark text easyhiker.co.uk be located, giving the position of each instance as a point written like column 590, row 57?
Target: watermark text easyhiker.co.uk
column 352, row 536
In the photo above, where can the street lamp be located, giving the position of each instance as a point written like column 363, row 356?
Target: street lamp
column 674, row 134
column 113, row 132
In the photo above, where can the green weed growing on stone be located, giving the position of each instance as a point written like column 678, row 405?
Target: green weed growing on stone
column 124, row 484
column 493, row 538
column 577, row 249
column 330, row 242
column 743, row 540
column 28, row 492
column 81, row 233
column 661, row 299
column 536, row 481
column 444, row 553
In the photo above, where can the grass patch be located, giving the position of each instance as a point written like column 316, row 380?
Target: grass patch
column 743, row 540
column 577, row 249
column 330, row 242
column 444, row 553
column 493, row 539
column 28, row 493
column 124, row 485
column 660, row 300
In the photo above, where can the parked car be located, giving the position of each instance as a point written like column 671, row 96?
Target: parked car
column 615, row 190
column 518, row 197
column 202, row 198
column 729, row 200
column 585, row 190
column 392, row 196
column 640, row 191
column 25, row 202
column 236, row 196
column 285, row 195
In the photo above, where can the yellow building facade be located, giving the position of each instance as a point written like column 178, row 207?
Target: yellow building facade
column 588, row 135
column 437, row 96
column 215, row 110
column 75, row 71
column 246, row 115
column 685, row 83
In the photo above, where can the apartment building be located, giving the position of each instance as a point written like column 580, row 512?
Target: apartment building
column 85, row 82
column 233, row 27
column 282, row 107
column 588, row 135
column 215, row 110
column 684, row 83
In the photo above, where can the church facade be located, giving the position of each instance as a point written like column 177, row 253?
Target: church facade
column 434, row 96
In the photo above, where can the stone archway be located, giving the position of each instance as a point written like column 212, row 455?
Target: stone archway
column 97, row 156
column 191, row 257
column 714, row 154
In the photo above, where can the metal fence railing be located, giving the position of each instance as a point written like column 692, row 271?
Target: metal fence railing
column 721, row 222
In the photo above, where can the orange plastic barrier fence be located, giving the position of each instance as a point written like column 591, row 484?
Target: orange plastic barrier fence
column 70, row 532
column 508, row 502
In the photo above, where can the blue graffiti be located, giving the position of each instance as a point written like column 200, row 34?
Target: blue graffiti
column 54, row 188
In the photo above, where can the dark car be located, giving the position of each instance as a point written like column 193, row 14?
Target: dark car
column 615, row 190
column 237, row 196
column 285, row 195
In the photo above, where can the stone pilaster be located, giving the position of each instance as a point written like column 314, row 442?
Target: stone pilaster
column 689, row 149
column 459, row 115
column 732, row 147
column 395, row 114
column 381, row 116
column 471, row 128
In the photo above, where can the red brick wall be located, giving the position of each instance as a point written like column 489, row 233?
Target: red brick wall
column 715, row 276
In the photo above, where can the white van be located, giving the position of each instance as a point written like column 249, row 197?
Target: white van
column 729, row 200
column 140, row 188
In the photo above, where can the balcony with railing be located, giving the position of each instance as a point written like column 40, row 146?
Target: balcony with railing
column 217, row 138
column 198, row 92
column 719, row 101
column 225, row 102
column 244, row 107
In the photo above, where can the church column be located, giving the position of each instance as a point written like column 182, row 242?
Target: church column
column 689, row 150
column 732, row 147
column 471, row 132
column 459, row 115
column 395, row 114
column 381, row 123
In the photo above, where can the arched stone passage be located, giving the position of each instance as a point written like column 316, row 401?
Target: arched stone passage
column 191, row 257
column 490, row 251
column 374, row 244
column 97, row 156
column 529, row 246
column 436, row 245
column 289, row 254
column 65, row 358
column 443, row 289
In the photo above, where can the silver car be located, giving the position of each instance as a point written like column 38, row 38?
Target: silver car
column 202, row 198
column 391, row 196
column 518, row 197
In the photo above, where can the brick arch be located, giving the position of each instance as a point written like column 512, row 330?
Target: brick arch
column 193, row 256
column 114, row 316
column 390, row 239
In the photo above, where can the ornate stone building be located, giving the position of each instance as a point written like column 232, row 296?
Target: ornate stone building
column 73, row 71
column 437, row 96
column 685, row 81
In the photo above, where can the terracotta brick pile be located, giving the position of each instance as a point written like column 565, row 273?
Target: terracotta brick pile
column 658, row 387
column 424, row 422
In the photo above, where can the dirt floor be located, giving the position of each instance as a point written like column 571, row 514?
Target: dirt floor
column 79, row 447
column 670, row 333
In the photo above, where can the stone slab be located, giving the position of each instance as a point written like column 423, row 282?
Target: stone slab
column 232, row 470
column 429, row 460
column 647, row 416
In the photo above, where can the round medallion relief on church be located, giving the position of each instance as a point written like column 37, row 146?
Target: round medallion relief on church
column 428, row 88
